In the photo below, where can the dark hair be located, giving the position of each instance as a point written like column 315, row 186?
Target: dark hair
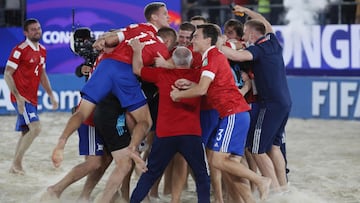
column 209, row 30
column 29, row 22
column 198, row 17
column 187, row 26
column 151, row 8
column 167, row 33
column 237, row 25
column 256, row 25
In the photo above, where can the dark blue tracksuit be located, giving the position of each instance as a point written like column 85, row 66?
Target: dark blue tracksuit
column 162, row 151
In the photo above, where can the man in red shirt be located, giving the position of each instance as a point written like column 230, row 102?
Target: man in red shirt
column 25, row 70
column 228, row 144
column 183, row 137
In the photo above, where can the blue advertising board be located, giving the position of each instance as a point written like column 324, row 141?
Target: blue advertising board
column 325, row 97
column 66, row 89
column 321, row 50
column 332, row 50
column 312, row 96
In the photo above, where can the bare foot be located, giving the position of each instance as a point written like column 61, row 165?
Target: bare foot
column 264, row 188
column 83, row 200
column 49, row 196
column 284, row 189
column 17, row 170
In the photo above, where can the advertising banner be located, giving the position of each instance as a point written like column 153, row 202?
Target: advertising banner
column 325, row 97
column 60, row 18
column 313, row 97
column 321, row 50
column 331, row 50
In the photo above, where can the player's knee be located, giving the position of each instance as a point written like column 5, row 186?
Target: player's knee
column 94, row 164
column 124, row 166
column 35, row 129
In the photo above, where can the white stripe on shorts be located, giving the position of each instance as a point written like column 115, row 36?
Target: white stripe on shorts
column 92, row 143
column 228, row 133
column 257, row 132
column 26, row 116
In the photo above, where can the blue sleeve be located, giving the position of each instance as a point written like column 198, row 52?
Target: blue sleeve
column 255, row 51
column 274, row 40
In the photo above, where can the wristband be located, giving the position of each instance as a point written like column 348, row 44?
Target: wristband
column 121, row 36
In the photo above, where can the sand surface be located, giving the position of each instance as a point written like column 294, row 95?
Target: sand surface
column 323, row 156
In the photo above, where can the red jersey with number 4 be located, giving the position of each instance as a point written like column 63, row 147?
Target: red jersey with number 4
column 29, row 63
column 223, row 95
column 146, row 33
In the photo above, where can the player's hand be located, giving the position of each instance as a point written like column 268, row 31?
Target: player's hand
column 140, row 164
column 174, row 94
column 99, row 44
column 136, row 45
column 57, row 157
column 239, row 10
column 54, row 103
column 85, row 70
column 161, row 62
column 20, row 101
column 238, row 44
column 183, row 84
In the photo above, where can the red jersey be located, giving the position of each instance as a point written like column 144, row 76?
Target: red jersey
column 205, row 103
column 230, row 44
column 250, row 96
column 223, row 95
column 174, row 118
column 197, row 58
column 146, row 33
column 29, row 63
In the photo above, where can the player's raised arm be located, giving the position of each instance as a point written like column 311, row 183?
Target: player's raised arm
column 137, row 62
column 254, row 15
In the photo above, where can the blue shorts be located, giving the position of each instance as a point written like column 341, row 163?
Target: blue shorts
column 90, row 142
column 209, row 120
column 114, row 77
column 30, row 115
column 268, row 127
column 231, row 134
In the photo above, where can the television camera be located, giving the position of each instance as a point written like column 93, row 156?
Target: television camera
column 81, row 44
